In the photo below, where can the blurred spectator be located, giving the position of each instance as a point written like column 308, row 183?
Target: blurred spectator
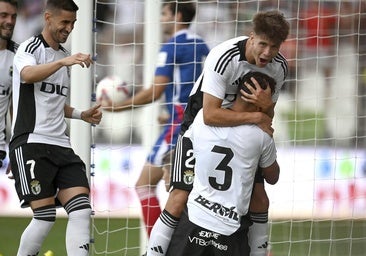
column 214, row 22
column 317, row 30
column 30, row 19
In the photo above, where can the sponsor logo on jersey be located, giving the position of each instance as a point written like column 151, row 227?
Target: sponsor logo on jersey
column 207, row 238
column 188, row 177
column 218, row 209
column 35, row 187
column 54, row 88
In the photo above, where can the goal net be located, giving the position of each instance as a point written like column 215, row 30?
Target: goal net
column 318, row 206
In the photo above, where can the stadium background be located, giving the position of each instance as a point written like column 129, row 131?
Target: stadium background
column 317, row 208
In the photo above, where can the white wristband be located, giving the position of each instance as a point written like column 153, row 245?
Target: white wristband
column 76, row 114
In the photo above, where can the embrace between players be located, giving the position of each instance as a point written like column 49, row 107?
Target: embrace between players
column 206, row 157
column 223, row 209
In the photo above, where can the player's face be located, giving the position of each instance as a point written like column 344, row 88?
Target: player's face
column 8, row 16
column 262, row 50
column 61, row 24
column 167, row 20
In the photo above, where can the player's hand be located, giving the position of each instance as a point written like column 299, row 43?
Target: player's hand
column 259, row 97
column 265, row 123
column 8, row 172
column 92, row 115
column 84, row 60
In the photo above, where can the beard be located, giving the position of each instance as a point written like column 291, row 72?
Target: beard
column 6, row 34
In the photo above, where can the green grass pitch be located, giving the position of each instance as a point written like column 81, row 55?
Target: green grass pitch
column 121, row 237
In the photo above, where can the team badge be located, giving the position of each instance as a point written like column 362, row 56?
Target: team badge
column 35, row 187
column 188, row 177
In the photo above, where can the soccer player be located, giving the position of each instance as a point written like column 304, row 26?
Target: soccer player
column 226, row 160
column 178, row 67
column 214, row 92
column 44, row 166
column 8, row 16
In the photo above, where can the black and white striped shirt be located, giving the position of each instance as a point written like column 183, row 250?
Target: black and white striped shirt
column 38, row 115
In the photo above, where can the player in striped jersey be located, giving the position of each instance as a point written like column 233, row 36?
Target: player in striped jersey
column 227, row 159
column 44, row 166
column 8, row 15
column 214, row 91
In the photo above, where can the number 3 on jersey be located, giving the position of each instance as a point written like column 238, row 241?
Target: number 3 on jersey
column 222, row 167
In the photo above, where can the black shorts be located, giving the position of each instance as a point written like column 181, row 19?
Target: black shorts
column 40, row 170
column 193, row 240
column 183, row 165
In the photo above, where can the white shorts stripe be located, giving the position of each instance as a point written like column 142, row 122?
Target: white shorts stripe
column 177, row 162
column 21, row 169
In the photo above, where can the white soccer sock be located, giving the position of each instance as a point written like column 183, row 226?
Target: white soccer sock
column 161, row 234
column 33, row 237
column 258, row 234
column 78, row 233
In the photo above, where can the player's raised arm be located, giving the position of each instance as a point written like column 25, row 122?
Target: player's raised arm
column 35, row 73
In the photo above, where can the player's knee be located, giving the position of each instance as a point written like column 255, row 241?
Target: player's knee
column 78, row 202
column 176, row 202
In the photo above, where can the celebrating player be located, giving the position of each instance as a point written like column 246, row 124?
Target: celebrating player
column 227, row 159
column 215, row 92
column 178, row 66
column 42, row 160
column 8, row 16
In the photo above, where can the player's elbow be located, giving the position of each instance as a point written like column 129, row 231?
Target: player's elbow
column 272, row 174
column 209, row 118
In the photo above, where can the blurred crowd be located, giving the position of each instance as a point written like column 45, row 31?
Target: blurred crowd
column 326, row 52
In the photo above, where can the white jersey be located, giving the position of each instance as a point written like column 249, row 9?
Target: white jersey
column 6, row 73
column 226, row 162
column 38, row 115
column 224, row 66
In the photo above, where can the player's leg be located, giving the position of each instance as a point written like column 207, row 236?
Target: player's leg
column 77, row 206
column 152, row 173
column 258, row 232
column 146, row 191
column 181, row 244
column 74, row 196
column 181, row 182
column 34, row 185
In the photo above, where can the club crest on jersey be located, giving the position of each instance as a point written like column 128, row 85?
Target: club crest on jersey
column 188, row 177
column 35, row 187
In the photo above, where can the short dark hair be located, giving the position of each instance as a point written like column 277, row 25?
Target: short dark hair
column 263, row 79
column 66, row 5
column 186, row 8
column 12, row 2
column 271, row 24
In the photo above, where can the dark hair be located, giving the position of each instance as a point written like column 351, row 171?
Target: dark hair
column 186, row 8
column 12, row 2
column 262, row 79
column 271, row 24
column 66, row 5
